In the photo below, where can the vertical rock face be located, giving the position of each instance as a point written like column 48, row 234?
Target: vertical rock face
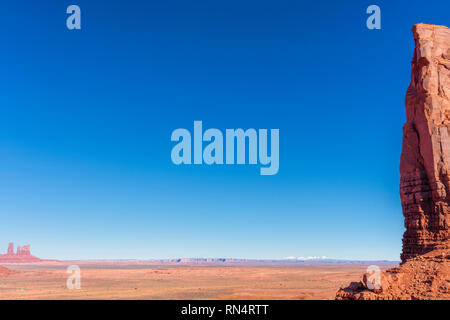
column 425, row 158
column 425, row 181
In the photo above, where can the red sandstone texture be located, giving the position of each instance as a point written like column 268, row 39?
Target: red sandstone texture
column 425, row 179
column 23, row 254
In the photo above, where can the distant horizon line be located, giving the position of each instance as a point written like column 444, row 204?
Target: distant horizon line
column 223, row 260
column 27, row 253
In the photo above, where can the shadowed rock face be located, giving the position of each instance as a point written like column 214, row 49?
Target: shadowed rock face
column 425, row 159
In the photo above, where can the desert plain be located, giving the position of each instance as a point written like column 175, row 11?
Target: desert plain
column 130, row 280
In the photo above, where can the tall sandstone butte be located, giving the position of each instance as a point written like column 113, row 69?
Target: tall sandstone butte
column 425, row 158
column 424, row 183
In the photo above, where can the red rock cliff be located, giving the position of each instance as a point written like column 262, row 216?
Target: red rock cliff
column 424, row 183
column 23, row 255
column 425, row 158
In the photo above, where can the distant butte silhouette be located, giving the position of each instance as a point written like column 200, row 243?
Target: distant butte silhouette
column 23, row 254
column 425, row 180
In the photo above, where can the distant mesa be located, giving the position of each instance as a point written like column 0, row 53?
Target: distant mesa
column 23, row 254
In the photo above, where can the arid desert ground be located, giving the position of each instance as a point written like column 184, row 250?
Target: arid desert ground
column 141, row 281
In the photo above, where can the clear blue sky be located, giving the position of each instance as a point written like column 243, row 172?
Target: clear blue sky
column 86, row 118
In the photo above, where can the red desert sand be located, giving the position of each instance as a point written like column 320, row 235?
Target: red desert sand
column 24, row 276
column 144, row 281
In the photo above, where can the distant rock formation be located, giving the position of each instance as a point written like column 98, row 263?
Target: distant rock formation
column 23, row 254
column 10, row 248
column 23, row 251
column 425, row 179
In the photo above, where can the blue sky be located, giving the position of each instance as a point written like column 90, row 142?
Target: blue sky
column 86, row 118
